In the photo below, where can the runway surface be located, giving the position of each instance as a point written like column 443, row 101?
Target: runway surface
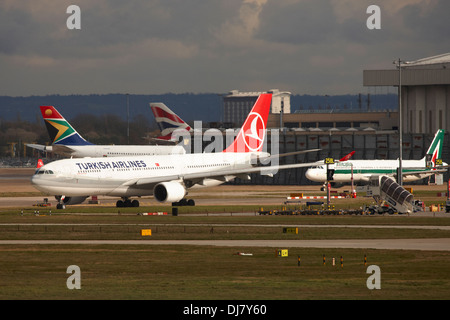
column 18, row 180
column 441, row 244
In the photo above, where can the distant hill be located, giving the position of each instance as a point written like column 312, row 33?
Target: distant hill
column 206, row 107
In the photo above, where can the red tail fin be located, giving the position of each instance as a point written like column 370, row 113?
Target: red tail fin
column 251, row 136
column 345, row 158
column 40, row 163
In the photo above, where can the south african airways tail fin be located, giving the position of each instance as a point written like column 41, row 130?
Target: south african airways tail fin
column 60, row 130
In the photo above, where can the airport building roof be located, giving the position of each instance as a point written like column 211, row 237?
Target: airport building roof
column 438, row 61
column 433, row 70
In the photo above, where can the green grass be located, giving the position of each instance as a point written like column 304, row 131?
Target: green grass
column 192, row 231
column 188, row 272
column 207, row 272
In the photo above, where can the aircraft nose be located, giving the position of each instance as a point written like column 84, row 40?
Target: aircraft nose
column 35, row 180
column 310, row 174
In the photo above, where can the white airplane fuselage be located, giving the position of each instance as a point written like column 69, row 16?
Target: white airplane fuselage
column 133, row 176
column 114, row 150
column 364, row 169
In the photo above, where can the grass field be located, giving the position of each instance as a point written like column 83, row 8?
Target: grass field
column 214, row 273
column 185, row 272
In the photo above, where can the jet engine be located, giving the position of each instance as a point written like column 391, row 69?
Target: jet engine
column 71, row 200
column 169, row 191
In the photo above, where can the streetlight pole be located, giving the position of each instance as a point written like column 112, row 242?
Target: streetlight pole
column 400, row 120
column 128, row 120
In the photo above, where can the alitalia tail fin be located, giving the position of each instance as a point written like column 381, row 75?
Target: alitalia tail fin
column 59, row 129
column 435, row 150
column 253, row 132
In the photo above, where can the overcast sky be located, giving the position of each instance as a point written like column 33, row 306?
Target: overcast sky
column 210, row 46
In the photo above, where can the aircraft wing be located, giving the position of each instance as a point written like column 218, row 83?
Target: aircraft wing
column 286, row 154
column 62, row 149
column 55, row 148
column 161, row 141
column 433, row 170
column 418, row 173
column 39, row 147
column 219, row 175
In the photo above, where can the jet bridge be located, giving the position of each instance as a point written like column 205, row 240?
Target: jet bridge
column 384, row 188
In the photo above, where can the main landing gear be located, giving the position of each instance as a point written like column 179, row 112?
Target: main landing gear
column 126, row 203
column 184, row 202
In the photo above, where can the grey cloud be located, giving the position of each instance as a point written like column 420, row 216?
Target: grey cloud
column 208, row 45
column 428, row 24
column 303, row 22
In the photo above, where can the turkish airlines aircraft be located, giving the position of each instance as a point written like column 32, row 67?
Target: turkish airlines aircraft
column 67, row 141
column 166, row 177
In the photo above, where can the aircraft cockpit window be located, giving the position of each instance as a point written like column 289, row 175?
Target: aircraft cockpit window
column 39, row 171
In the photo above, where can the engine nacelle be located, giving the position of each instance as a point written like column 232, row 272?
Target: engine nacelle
column 72, row 200
column 169, row 191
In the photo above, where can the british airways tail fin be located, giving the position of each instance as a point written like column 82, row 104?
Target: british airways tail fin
column 253, row 132
column 59, row 129
column 167, row 121
column 434, row 152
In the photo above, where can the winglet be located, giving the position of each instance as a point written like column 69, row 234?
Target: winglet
column 253, row 132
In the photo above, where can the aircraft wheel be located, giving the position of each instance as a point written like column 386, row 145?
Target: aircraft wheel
column 119, row 204
column 135, row 203
column 191, row 202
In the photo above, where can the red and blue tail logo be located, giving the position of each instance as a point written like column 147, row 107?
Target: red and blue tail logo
column 59, row 130
column 167, row 120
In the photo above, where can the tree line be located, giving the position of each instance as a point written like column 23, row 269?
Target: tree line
column 98, row 129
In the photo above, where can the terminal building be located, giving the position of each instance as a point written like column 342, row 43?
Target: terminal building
column 425, row 92
column 371, row 134
column 237, row 105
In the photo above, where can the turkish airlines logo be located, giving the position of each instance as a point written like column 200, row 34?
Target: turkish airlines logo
column 254, row 136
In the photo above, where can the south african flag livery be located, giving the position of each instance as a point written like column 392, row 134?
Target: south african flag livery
column 60, row 131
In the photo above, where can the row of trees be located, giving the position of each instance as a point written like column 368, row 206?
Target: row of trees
column 104, row 129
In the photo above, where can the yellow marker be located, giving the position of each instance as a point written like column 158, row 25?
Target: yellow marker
column 283, row 252
column 146, row 232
